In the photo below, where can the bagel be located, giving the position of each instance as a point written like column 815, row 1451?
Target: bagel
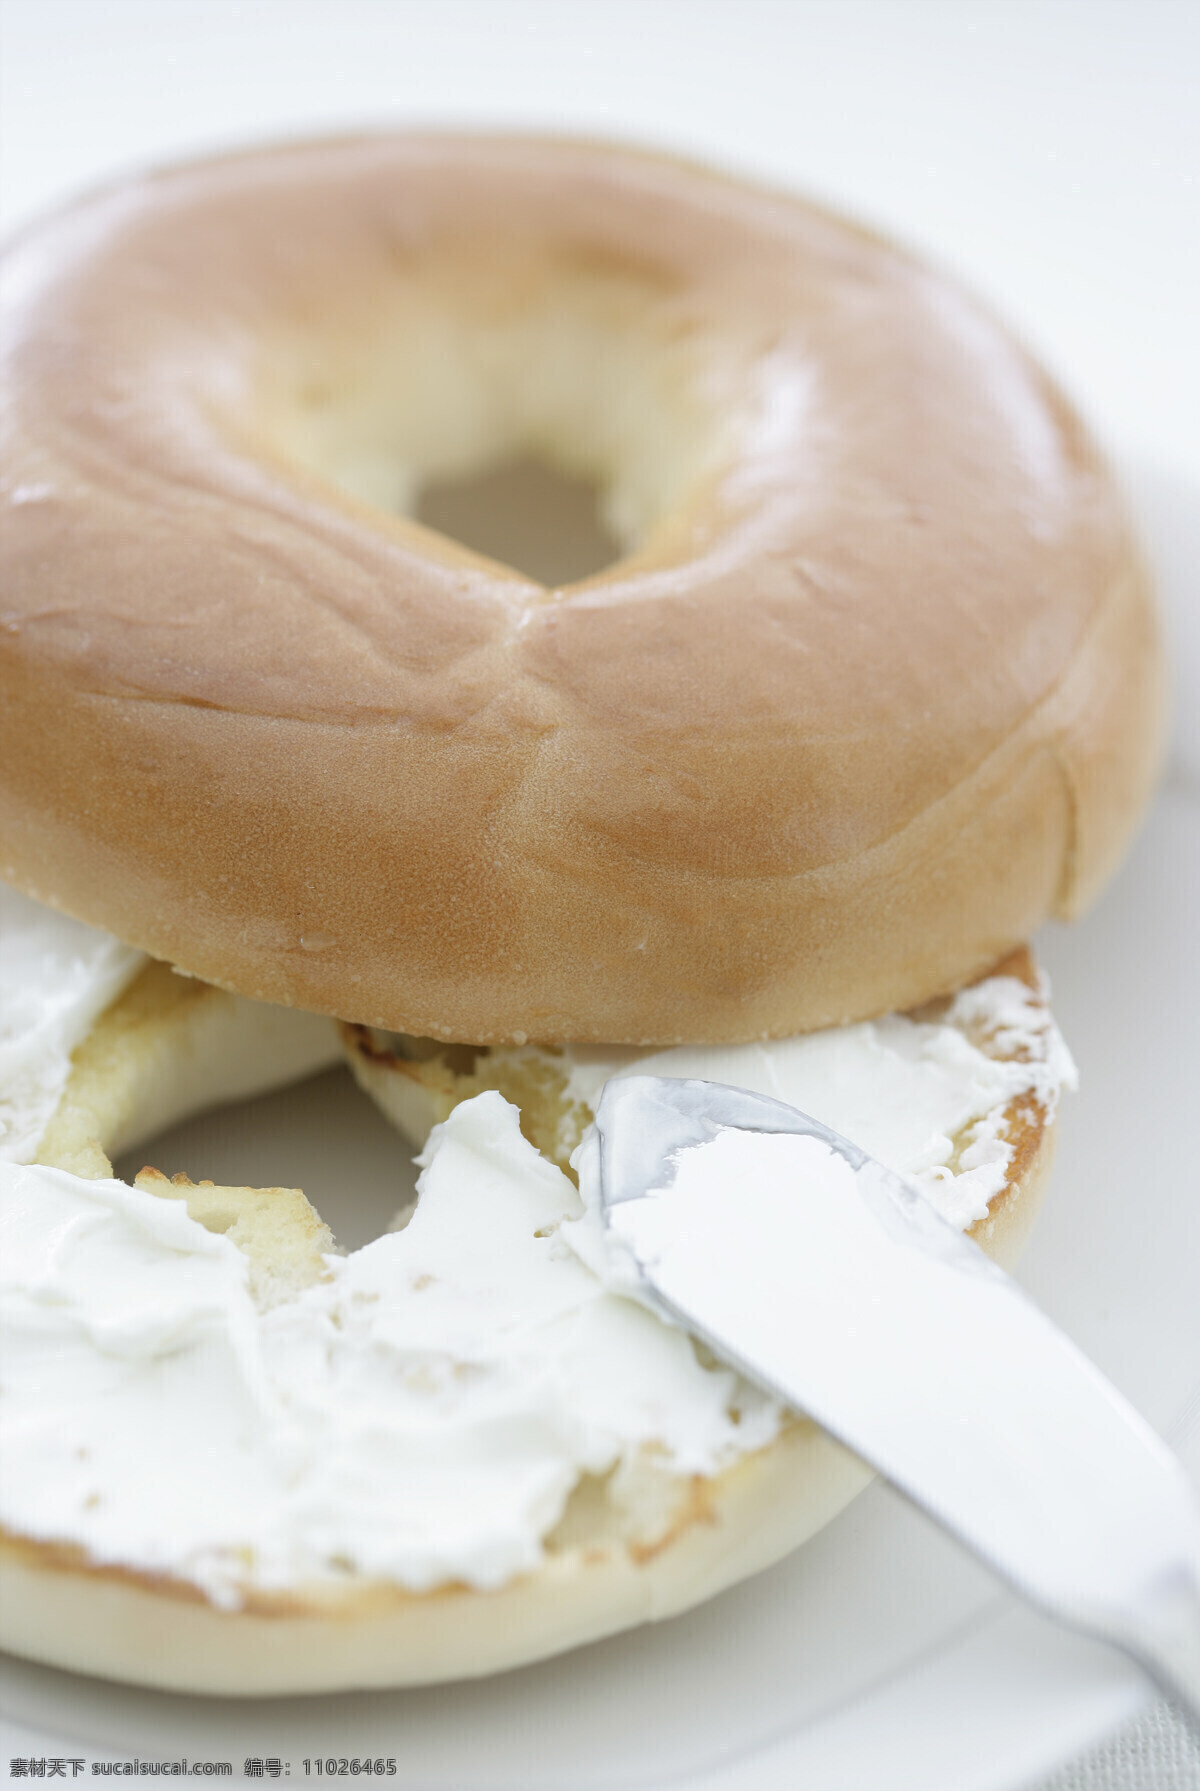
column 634, row 1538
column 875, row 688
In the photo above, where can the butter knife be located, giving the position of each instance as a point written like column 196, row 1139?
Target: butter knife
column 833, row 1283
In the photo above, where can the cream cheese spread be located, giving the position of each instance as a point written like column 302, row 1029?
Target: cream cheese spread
column 421, row 1417
column 56, row 977
column 424, row 1414
column 921, row 1095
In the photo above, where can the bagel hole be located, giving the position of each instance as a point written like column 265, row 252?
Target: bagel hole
column 302, row 1136
column 526, row 514
column 551, row 411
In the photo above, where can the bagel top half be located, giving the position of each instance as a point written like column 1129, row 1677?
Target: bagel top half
column 873, row 692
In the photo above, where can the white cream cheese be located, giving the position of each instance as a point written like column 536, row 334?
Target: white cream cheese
column 422, row 1417
column 56, row 977
column 919, row 1095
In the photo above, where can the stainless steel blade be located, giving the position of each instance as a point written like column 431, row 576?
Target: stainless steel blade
column 832, row 1282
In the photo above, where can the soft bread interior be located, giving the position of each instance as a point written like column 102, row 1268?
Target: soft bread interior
column 169, row 1047
column 284, row 1239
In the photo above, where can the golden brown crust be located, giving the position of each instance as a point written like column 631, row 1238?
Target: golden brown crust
column 875, row 696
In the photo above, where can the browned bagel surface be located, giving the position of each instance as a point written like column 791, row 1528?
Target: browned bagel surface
column 875, row 690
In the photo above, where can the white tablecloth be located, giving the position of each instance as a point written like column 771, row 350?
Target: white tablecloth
column 1157, row 1753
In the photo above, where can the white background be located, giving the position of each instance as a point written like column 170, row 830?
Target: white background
column 1046, row 150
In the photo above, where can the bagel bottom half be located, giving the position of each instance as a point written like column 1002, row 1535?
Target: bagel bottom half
column 673, row 1542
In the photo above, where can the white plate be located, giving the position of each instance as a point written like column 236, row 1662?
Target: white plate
column 878, row 1655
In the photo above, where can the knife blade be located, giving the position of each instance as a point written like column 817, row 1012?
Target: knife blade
column 833, row 1283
